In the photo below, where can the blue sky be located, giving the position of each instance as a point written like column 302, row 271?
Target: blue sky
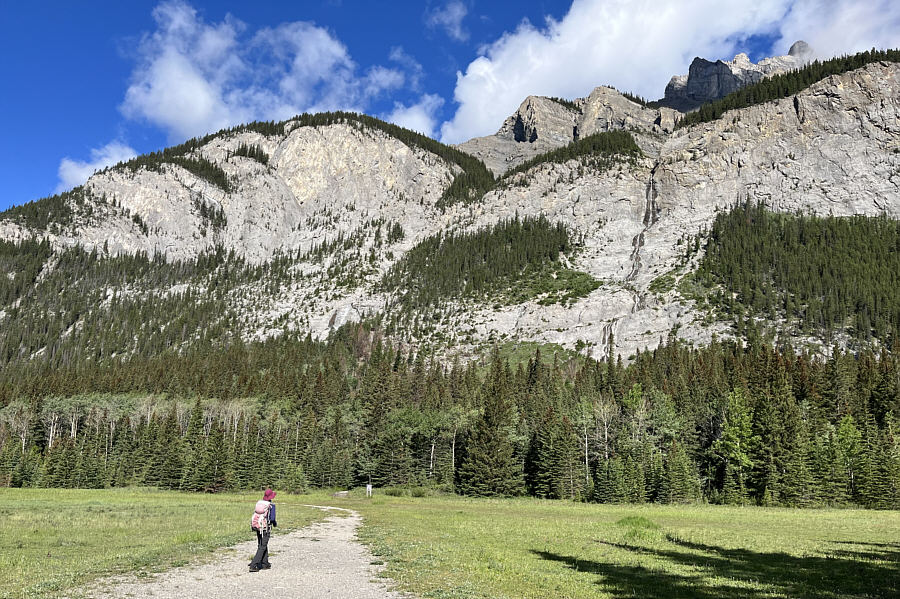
column 86, row 84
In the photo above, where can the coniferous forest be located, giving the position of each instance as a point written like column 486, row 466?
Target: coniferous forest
column 724, row 423
column 99, row 390
column 821, row 275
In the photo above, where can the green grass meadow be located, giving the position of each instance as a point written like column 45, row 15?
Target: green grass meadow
column 54, row 541
column 449, row 548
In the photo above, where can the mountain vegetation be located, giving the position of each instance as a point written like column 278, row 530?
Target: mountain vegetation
column 724, row 423
column 785, row 85
column 824, row 275
column 568, row 104
column 196, row 164
column 252, row 151
column 53, row 213
column 598, row 151
column 73, row 305
column 516, row 259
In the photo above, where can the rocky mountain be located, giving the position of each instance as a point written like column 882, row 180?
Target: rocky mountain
column 336, row 202
column 708, row 81
column 542, row 124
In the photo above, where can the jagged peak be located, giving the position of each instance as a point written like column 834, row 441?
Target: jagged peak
column 707, row 80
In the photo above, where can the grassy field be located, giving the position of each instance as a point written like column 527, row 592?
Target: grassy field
column 450, row 547
column 57, row 540
column 447, row 547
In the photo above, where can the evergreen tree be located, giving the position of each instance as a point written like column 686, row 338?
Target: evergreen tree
column 491, row 467
column 680, row 482
column 732, row 449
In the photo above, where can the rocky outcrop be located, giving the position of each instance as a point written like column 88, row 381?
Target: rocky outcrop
column 320, row 182
column 543, row 124
column 539, row 125
column 708, row 81
column 835, row 149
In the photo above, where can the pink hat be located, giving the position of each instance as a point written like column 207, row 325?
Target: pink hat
column 269, row 495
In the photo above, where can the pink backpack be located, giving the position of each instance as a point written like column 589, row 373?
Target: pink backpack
column 260, row 519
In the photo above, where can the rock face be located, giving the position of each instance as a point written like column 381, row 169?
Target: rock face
column 543, row 124
column 707, row 80
column 314, row 175
column 834, row 148
column 539, row 125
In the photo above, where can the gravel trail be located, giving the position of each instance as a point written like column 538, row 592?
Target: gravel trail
column 321, row 560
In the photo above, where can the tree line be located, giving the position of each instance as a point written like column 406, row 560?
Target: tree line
column 725, row 423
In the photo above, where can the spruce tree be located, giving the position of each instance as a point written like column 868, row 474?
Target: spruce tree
column 491, row 467
column 680, row 482
column 732, row 448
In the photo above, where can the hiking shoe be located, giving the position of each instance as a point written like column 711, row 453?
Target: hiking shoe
column 265, row 566
column 254, row 569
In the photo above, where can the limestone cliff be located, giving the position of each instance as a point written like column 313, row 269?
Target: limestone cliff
column 542, row 124
column 834, row 148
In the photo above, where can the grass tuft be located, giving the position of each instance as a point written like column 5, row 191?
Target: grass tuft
column 638, row 522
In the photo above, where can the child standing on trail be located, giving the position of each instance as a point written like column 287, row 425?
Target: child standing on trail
column 261, row 523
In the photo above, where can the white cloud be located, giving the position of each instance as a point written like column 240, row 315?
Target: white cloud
column 75, row 172
column 421, row 116
column 637, row 45
column 184, row 72
column 449, row 18
column 835, row 27
column 193, row 77
column 414, row 70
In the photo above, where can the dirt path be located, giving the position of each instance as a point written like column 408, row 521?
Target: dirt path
column 321, row 560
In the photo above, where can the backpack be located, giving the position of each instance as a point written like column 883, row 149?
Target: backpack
column 260, row 518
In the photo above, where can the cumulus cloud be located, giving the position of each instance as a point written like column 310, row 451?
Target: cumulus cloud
column 637, row 45
column 449, row 18
column 192, row 77
column 835, row 27
column 421, row 116
column 185, row 73
column 75, row 172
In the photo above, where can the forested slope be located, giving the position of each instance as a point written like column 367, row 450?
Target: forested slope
column 825, row 275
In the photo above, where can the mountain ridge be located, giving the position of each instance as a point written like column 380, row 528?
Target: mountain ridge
column 831, row 148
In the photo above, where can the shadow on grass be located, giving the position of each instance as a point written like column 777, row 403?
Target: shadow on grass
column 716, row 572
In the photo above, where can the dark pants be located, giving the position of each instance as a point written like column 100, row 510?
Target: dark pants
column 262, row 550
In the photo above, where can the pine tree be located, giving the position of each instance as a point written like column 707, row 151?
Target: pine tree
column 567, row 480
column 634, row 477
column 850, row 455
column 609, row 482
